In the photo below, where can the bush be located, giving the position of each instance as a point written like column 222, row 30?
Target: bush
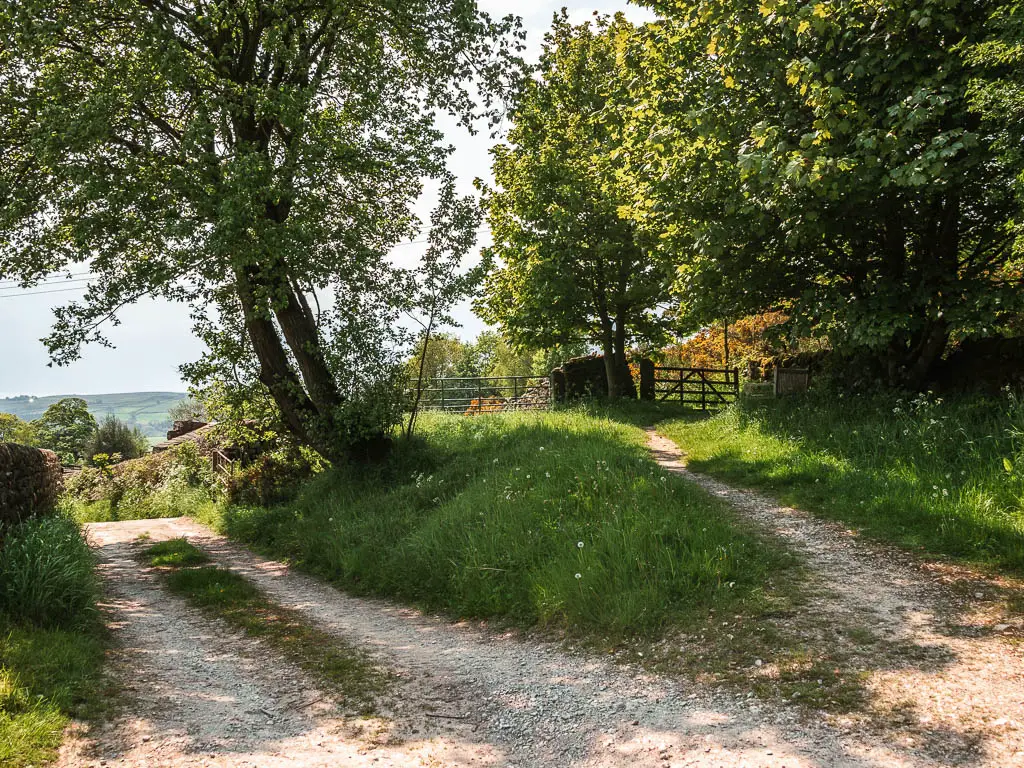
column 46, row 574
column 169, row 484
column 113, row 436
column 274, row 477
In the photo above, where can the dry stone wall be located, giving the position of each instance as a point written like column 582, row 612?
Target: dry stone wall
column 30, row 482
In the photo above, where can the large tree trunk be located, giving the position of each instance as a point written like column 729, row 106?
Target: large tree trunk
column 608, row 351
column 301, row 414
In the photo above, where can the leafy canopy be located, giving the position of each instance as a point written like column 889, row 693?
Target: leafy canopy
column 826, row 158
column 245, row 157
column 568, row 267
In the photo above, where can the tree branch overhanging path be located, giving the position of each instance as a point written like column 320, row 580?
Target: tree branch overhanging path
column 239, row 157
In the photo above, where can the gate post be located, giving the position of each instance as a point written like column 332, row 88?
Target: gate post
column 646, row 379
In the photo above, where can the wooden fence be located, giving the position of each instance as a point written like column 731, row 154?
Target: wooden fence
column 484, row 394
column 703, row 388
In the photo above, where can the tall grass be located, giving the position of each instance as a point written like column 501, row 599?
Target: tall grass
column 557, row 518
column 943, row 476
column 51, row 642
column 46, row 574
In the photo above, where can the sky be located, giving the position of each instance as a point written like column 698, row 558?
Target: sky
column 155, row 337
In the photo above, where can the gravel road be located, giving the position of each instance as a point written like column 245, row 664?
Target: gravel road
column 200, row 694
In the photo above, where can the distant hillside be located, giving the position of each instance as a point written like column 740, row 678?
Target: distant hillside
column 145, row 410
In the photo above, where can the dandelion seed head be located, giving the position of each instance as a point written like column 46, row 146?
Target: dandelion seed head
column 579, row 575
column 579, row 544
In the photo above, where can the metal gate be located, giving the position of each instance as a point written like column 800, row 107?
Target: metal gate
column 485, row 394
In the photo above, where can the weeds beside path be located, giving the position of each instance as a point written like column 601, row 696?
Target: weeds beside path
column 942, row 662
column 202, row 695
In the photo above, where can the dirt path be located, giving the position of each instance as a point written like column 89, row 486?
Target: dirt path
column 198, row 694
column 948, row 664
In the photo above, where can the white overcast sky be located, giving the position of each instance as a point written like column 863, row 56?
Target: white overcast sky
column 155, row 336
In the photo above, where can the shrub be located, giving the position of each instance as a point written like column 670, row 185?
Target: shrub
column 168, row 484
column 46, row 574
column 113, row 436
column 274, row 477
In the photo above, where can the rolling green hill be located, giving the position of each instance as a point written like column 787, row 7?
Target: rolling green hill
column 146, row 410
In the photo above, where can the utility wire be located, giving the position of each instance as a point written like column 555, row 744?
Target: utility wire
column 40, row 293
column 51, row 279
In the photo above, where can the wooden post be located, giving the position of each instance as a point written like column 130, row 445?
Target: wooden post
column 726, row 339
column 736, row 382
column 443, row 409
column 682, row 387
column 703, row 391
column 646, row 379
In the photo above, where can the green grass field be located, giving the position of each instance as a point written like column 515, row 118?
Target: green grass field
column 940, row 477
column 146, row 410
column 558, row 519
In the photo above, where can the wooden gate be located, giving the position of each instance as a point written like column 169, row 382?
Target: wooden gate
column 703, row 388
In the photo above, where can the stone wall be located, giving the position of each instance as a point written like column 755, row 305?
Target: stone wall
column 30, row 482
column 585, row 377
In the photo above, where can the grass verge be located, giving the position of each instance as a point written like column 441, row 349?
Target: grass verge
column 232, row 598
column 538, row 519
column 942, row 477
column 47, row 677
column 52, row 641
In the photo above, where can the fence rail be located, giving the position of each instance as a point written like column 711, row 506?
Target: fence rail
column 702, row 387
column 484, row 394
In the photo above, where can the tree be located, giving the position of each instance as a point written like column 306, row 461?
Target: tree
column 66, row 428
column 498, row 358
column 14, row 430
column 825, row 159
column 188, row 409
column 241, row 155
column 113, row 436
column 439, row 282
column 568, row 266
column 442, row 355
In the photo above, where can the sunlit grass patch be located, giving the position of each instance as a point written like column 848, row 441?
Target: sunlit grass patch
column 47, row 676
column 554, row 519
column 175, row 553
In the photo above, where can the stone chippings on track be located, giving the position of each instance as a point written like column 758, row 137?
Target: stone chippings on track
column 467, row 696
column 967, row 696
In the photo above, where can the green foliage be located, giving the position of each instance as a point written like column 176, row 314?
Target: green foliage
column 248, row 156
column 826, row 158
column 488, row 355
column 113, row 436
column 273, row 477
column 188, row 409
column 175, row 553
column 46, row 574
column 557, row 518
column 167, row 484
column 14, row 430
column 51, row 641
column 569, row 268
column 47, row 676
column 67, row 428
column 929, row 474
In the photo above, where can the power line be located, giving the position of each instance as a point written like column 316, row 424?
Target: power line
column 40, row 293
column 45, row 284
column 51, row 280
